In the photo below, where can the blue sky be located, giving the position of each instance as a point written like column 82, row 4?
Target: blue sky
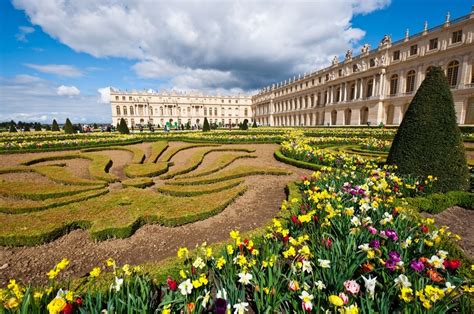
column 58, row 57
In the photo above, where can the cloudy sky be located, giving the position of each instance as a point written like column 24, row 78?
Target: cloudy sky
column 59, row 57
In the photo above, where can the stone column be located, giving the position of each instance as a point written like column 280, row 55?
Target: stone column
column 345, row 92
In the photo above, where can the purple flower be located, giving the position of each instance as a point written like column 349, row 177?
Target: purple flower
column 394, row 256
column 417, row 266
column 392, row 234
column 391, row 264
column 375, row 244
column 221, row 306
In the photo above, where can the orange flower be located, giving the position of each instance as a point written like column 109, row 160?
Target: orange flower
column 191, row 306
column 435, row 276
column 367, row 267
column 423, row 259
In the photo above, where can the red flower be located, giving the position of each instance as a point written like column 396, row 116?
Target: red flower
column 172, row 284
column 294, row 219
column 452, row 264
column 315, row 218
column 286, row 238
column 79, row 301
column 326, row 242
column 68, row 309
column 424, row 229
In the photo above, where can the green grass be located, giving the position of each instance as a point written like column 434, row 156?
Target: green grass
column 228, row 174
column 196, row 159
column 138, row 182
column 221, row 162
column 35, row 191
column 146, row 169
column 117, row 214
column 15, row 206
column 193, row 190
column 62, row 175
column 157, row 149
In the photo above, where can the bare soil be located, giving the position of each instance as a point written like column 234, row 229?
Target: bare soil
column 460, row 221
column 152, row 243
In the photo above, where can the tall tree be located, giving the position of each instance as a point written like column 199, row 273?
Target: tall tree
column 123, row 127
column 428, row 141
column 55, row 126
column 68, row 128
column 205, row 126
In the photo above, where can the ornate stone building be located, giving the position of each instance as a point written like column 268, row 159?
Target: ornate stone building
column 377, row 85
column 158, row 109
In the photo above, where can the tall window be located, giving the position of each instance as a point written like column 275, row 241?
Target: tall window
column 370, row 88
column 318, row 101
column 118, row 110
column 353, row 91
column 433, row 44
column 472, row 73
column 393, row 84
column 124, row 110
column 205, row 111
column 246, row 111
column 372, row 62
column 410, row 81
column 131, row 110
column 457, row 37
column 413, row 50
column 453, row 69
column 396, row 55
column 338, row 95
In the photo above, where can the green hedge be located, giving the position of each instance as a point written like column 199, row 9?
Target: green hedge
column 194, row 190
column 436, row 203
column 28, row 206
column 297, row 163
column 146, row 169
column 138, row 182
column 61, row 147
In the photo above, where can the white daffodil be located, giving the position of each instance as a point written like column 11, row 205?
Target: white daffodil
column 436, row 261
column 240, row 308
column 403, row 281
column 199, row 263
column 324, row 263
column 307, row 267
column 117, row 284
column 244, row 278
column 320, row 285
column 186, row 287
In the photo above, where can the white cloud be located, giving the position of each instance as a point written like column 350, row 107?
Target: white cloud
column 57, row 69
column 30, row 98
column 68, row 91
column 23, row 31
column 194, row 44
column 104, row 95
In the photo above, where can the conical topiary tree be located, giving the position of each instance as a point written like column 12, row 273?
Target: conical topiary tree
column 206, row 127
column 68, row 128
column 254, row 125
column 37, row 127
column 12, row 128
column 55, row 126
column 27, row 128
column 123, row 127
column 428, row 141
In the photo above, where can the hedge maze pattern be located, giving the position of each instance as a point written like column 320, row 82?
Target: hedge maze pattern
column 154, row 191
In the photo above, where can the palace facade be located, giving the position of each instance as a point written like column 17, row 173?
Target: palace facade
column 377, row 85
column 174, row 109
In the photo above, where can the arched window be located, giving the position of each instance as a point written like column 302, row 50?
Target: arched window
column 131, row 110
column 151, row 111
column 338, row 94
column 124, row 110
column 410, row 81
column 161, row 111
column 370, row 88
column 118, row 110
column 205, row 111
column 453, row 69
column 215, row 111
column 393, row 84
column 246, row 111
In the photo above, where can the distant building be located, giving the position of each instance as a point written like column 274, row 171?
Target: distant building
column 377, row 85
column 173, row 109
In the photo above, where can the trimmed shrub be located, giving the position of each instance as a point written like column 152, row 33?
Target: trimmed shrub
column 37, row 127
column 68, row 128
column 205, row 126
column 26, row 128
column 123, row 127
column 12, row 129
column 254, row 125
column 55, row 126
column 428, row 141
